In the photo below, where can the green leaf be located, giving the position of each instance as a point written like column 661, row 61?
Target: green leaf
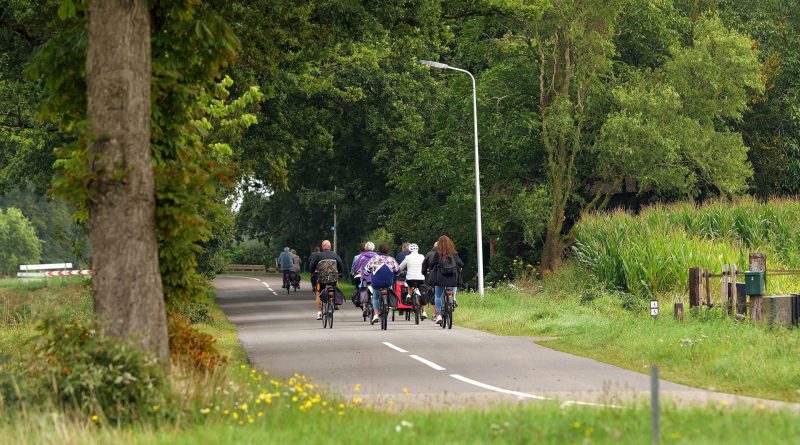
column 66, row 10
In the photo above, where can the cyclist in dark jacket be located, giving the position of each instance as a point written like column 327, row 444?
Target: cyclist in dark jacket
column 445, row 273
column 326, row 254
column 426, row 270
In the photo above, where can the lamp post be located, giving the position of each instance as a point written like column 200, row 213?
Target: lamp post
column 477, row 166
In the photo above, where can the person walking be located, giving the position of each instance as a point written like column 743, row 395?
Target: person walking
column 286, row 263
column 445, row 272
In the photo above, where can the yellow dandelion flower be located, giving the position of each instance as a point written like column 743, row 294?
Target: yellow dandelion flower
column 356, row 400
column 577, row 425
column 242, row 366
column 243, row 407
column 357, row 388
column 294, row 398
column 341, row 413
column 761, row 406
column 341, row 406
column 155, row 407
column 95, row 418
column 405, row 391
column 723, row 402
column 235, row 415
column 324, row 403
column 225, row 413
column 260, row 414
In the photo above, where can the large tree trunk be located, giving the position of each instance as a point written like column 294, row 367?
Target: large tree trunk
column 553, row 248
column 128, row 296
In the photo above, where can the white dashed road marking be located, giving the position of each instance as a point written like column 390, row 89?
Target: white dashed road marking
column 427, row 362
column 394, row 347
column 519, row 394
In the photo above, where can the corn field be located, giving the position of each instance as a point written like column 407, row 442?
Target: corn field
column 650, row 253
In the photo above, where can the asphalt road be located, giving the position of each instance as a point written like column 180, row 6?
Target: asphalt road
column 421, row 364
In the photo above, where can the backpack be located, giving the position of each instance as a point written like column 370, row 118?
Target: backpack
column 355, row 297
column 447, row 265
column 327, row 272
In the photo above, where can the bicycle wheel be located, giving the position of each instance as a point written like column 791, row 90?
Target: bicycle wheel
column 417, row 307
column 384, row 312
column 325, row 315
column 450, row 316
column 330, row 313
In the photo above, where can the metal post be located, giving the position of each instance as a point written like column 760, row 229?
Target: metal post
column 335, row 229
column 479, row 229
column 656, row 434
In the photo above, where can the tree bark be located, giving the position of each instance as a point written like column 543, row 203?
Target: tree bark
column 128, row 295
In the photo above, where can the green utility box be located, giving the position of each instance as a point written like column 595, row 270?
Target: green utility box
column 754, row 283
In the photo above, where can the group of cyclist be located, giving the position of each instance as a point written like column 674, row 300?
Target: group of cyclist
column 440, row 268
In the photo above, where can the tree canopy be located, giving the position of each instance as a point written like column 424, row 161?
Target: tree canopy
column 280, row 109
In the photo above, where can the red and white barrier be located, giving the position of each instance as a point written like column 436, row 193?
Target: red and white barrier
column 64, row 273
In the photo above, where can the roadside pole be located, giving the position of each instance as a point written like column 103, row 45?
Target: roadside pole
column 656, row 434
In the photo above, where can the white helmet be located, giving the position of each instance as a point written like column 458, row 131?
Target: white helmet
column 413, row 247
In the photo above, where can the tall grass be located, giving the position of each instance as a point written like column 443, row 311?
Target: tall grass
column 651, row 252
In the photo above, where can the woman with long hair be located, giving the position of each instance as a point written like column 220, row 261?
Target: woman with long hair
column 445, row 270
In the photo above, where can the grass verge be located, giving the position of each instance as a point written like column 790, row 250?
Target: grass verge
column 706, row 350
column 242, row 405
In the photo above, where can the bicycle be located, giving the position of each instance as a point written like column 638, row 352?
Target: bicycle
column 384, row 308
column 448, row 305
column 368, row 311
column 328, row 307
column 287, row 280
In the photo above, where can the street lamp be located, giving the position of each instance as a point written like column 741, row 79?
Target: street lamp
column 477, row 166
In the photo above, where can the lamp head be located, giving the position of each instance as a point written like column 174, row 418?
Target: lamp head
column 434, row 64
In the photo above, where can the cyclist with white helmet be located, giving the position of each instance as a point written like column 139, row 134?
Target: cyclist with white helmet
column 412, row 264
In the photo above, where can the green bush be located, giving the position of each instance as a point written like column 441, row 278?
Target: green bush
column 18, row 242
column 251, row 252
column 73, row 366
column 194, row 311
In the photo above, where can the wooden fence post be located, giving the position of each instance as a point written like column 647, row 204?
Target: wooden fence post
column 678, row 311
column 734, row 291
column 758, row 263
column 725, row 295
column 694, row 287
column 708, row 287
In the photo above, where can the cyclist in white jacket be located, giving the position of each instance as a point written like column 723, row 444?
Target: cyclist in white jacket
column 412, row 264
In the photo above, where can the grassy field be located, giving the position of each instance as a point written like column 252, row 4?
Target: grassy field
column 242, row 405
column 705, row 350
